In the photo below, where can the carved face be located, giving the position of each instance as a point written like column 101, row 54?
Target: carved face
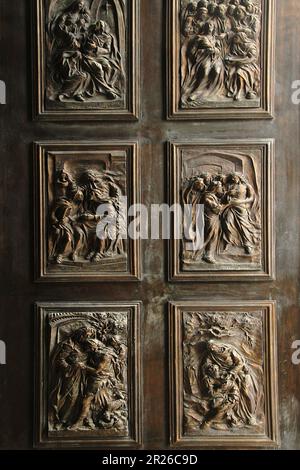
column 199, row 184
column 63, row 177
column 230, row 10
column 211, row 28
column 101, row 27
column 207, row 178
column 98, row 357
column 248, row 4
column 90, row 332
column 202, row 4
column 218, row 188
column 235, row 179
column 221, row 11
column 202, row 14
column 239, row 14
column 216, row 348
column 94, row 180
column 192, row 7
column 81, row 5
column 211, row 8
column 85, row 333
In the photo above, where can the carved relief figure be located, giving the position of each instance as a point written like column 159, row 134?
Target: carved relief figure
column 87, row 216
column 88, row 373
column 223, row 372
column 85, row 54
column 238, row 224
column 227, row 186
column 220, row 58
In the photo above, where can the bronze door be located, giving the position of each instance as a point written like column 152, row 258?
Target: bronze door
column 161, row 102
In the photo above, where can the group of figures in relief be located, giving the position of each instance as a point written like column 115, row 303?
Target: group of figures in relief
column 88, row 376
column 84, row 60
column 78, row 231
column 223, row 373
column 231, row 215
column 220, row 51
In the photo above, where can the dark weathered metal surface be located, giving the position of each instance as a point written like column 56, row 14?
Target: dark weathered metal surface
column 19, row 292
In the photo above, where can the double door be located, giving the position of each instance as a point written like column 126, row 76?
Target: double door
column 153, row 342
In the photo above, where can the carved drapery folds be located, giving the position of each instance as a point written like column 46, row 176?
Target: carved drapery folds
column 87, row 58
column 223, row 371
column 83, row 194
column 225, row 191
column 221, row 58
column 220, row 52
column 89, row 373
column 223, row 374
column 74, row 222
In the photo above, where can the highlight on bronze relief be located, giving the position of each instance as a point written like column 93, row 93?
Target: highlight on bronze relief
column 225, row 193
column 224, row 373
column 88, row 358
column 87, row 57
column 220, row 52
column 220, row 55
column 83, row 195
column 225, row 362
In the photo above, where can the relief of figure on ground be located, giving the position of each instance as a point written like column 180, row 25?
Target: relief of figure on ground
column 84, row 58
column 223, row 372
column 87, row 219
column 88, row 382
column 232, row 228
column 220, row 53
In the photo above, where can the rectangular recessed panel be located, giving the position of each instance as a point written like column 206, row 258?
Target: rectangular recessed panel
column 223, row 374
column 83, row 191
column 225, row 192
column 86, row 59
column 88, row 374
column 220, row 59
